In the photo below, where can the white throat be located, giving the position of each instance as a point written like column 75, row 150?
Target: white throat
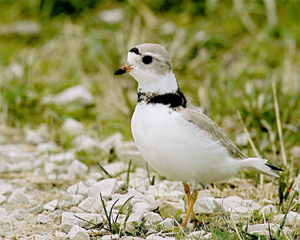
column 153, row 83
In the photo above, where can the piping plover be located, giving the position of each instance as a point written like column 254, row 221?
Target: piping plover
column 174, row 137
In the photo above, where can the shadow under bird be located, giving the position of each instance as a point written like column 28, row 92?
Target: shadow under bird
column 174, row 137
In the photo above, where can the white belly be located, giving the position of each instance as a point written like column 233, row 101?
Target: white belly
column 178, row 149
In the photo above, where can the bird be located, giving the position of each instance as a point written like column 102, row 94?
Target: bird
column 174, row 137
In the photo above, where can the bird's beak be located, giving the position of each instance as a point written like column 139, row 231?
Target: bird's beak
column 124, row 69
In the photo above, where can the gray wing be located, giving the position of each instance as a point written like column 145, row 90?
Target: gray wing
column 194, row 115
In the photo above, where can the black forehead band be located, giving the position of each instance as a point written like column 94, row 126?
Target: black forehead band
column 135, row 50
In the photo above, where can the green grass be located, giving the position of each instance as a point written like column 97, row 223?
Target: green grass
column 224, row 62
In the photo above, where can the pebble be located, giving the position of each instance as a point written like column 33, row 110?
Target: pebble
column 51, row 206
column 170, row 208
column 111, row 237
column 268, row 209
column 153, row 218
column 3, row 212
column 111, row 16
column 86, row 143
column 2, row 198
column 70, row 219
column 18, row 196
column 111, row 142
column 106, row 187
column 46, row 147
column 205, row 205
column 76, row 94
column 78, row 233
column 33, row 137
column 78, row 188
column 292, row 218
column 42, row 218
column 73, row 127
column 263, row 229
column 167, row 223
column 63, row 158
column 36, row 209
column 91, row 204
column 77, row 169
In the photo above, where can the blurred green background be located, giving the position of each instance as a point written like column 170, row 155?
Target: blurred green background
column 225, row 54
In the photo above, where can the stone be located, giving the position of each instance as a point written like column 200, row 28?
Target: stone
column 70, row 219
column 241, row 139
column 42, row 237
column 168, row 223
column 21, row 28
column 111, row 142
column 59, row 234
column 77, row 169
column 78, row 188
column 33, row 137
column 131, row 238
column 5, row 188
column 157, row 237
column 91, row 204
column 106, row 187
column 111, row 16
column 268, row 209
column 76, row 94
column 18, row 196
column 78, row 233
column 292, row 218
column 73, row 127
column 2, row 199
column 42, row 218
column 115, row 168
column 127, row 151
column 3, row 213
column 111, row 237
column 36, row 209
column 86, row 143
column 47, row 147
column 168, row 208
column 263, row 229
column 153, row 218
column 205, row 205
column 196, row 234
column 70, row 200
column 63, row 158
column 142, row 205
column 52, row 205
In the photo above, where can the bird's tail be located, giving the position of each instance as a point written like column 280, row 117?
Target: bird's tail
column 260, row 165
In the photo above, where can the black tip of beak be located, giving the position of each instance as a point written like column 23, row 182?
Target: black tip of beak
column 120, row 71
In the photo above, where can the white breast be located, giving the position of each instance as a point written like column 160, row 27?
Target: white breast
column 178, row 149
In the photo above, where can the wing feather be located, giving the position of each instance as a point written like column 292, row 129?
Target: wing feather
column 194, row 115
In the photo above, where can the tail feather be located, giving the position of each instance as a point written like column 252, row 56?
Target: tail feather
column 260, row 165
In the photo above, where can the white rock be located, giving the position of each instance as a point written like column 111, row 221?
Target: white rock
column 112, row 16
column 21, row 28
column 74, row 94
column 263, row 229
column 86, row 143
column 241, row 139
column 106, row 187
column 33, row 137
column 72, row 127
column 5, row 188
column 51, row 206
column 2, row 139
column 77, row 169
column 205, row 205
column 168, row 223
column 63, row 158
column 268, row 209
column 43, row 237
column 2, row 198
column 115, row 168
column 36, row 209
column 20, row 167
column 207, row 236
column 91, row 204
column 196, row 234
column 136, row 217
column 142, row 205
column 236, row 206
column 78, row 233
column 18, row 196
column 167, row 28
column 111, row 237
column 153, row 218
column 127, row 151
column 47, row 147
column 171, row 208
column 59, row 234
column 157, row 237
column 42, row 218
column 3, row 212
column 292, row 218
column 131, row 238
column 70, row 219
column 111, row 142
column 70, row 200
column 78, row 188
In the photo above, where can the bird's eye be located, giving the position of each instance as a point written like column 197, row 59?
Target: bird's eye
column 147, row 59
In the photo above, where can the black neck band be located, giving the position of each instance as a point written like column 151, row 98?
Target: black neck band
column 175, row 99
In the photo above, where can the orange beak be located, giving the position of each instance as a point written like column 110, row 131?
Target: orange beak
column 124, row 69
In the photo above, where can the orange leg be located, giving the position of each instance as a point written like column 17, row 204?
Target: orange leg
column 187, row 191
column 193, row 199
